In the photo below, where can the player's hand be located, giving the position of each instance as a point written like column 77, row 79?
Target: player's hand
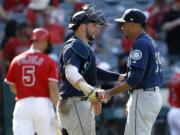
column 121, row 77
column 103, row 96
column 96, row 107
column 93, row 96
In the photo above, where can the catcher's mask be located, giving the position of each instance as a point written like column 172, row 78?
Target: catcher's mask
column 87, row 14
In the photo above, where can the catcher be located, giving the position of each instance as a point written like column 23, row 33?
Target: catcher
column 79, row 75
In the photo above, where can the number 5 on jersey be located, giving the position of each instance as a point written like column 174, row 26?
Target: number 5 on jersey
column 28, row 76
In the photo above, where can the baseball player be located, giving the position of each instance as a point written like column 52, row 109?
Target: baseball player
column 143, row 75
column 174, row 100
column 79, row 74
column 33, row 78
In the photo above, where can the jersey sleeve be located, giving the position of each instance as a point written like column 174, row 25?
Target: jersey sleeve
column 70, row 57
column 53, row 72
column 10, row 77
column 139, row 55
column 104, row 75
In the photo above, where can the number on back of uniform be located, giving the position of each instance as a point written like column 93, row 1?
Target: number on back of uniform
column 158, row 62
column 28, row 76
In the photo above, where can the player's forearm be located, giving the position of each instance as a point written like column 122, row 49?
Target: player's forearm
column 77, row 80
column 12, row 86
column 122, row 77
column 54, row 92
column 13, row 89
column 72, row 75
column 107, row 75
column 85, row 87
column 119, row 88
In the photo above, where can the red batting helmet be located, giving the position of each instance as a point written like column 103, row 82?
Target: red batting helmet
column 40, row 34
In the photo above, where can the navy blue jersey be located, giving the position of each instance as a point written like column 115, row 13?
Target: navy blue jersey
column 144, row 57
column 79, row 54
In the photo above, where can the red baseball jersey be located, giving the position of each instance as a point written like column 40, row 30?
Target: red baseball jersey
column 174, row 90
column 30, row 72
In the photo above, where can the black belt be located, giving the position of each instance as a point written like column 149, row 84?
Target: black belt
column 145, row 89
column 81, row 98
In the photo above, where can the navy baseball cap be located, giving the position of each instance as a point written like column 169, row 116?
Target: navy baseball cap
column 88, row 14
column 132, row 15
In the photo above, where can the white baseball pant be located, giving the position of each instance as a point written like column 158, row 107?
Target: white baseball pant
column 76, row 116
column 143, row 108
column 34, row 114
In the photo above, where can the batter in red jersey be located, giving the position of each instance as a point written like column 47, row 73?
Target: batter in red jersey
column 33, row 77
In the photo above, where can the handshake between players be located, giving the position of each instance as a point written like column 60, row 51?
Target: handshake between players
column 99, row 95
column 96, row 94
column 93, row 93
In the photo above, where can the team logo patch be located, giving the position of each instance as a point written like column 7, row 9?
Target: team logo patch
column 136, row 54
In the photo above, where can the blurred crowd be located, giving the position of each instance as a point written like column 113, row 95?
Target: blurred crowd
column 19, row 17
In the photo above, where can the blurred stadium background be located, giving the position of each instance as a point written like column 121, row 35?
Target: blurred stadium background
column 18, row 18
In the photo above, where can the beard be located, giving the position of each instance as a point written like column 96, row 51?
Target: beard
column 90, row 36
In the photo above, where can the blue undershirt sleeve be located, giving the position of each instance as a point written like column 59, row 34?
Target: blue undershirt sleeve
column 104, row 75
column 135, row 77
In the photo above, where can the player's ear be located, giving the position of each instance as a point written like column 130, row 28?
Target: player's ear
column 83, row 26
